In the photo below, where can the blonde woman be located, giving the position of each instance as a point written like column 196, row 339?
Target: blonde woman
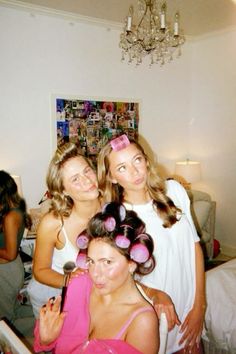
column 73, row 187
column 125, row 174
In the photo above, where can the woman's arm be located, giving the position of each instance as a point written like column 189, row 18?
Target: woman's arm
column 11, row 226
column 47, row 236
column 162, row 302
column 193, row 323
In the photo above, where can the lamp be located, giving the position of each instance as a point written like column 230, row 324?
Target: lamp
column 189, row 171
column 17, row 179
column 152, row 35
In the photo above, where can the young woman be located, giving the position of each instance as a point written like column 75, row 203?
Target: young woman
column 125, row 174
column 104, row 312
column 72, row 184
column 13, row 221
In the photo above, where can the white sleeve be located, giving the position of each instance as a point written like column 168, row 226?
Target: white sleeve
column 177, row 193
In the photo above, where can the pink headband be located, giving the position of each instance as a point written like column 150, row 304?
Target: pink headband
column 120, row 142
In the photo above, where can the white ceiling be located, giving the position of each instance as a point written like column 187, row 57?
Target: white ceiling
column 198, row 17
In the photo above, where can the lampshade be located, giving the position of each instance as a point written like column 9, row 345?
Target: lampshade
column 17, row 179
column 189, row 170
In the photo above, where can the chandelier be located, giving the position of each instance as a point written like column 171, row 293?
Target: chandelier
column 152, row 35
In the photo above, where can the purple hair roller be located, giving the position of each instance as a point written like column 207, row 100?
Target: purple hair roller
column 81, row 260
column 82, row 242
column 110, row 224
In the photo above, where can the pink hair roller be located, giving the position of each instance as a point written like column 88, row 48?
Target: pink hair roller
column 139, row 253
column 110, row 224
column 81, row 260
column 82, row 242
column 122, row 241
column 120, row 142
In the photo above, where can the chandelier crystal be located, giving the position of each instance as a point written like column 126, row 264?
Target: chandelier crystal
column 152, row 35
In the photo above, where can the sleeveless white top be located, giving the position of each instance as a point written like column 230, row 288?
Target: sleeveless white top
column 68, row 253
column 39, row 293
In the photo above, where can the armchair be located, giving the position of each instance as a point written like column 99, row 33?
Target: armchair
column 203, row 210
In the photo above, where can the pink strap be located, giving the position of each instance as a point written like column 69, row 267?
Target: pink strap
column 132, row 317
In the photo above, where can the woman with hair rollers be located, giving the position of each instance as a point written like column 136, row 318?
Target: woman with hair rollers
column 104, row 311
column 126, row 175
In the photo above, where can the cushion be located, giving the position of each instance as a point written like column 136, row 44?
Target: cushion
column 201, row 210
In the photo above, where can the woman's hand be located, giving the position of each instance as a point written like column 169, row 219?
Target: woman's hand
column 192, row 328
column 50, row 321
column 163, row 303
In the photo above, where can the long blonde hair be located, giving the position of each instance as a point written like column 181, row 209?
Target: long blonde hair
column 155, row 186
column 61, row 204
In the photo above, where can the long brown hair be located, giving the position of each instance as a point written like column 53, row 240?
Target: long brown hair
column 155, row 186
column 9, row 198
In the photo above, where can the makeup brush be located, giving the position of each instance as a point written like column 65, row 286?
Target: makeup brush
column 68, row 269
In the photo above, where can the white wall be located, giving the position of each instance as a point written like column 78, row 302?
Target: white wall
column 43, row 55
column 213, row 128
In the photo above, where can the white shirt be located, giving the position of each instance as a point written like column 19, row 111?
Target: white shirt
column 174, row 252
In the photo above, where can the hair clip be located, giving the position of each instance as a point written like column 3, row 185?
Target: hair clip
column 110, row 224
column 139, row 253
column 120, row 142
column 142, row 236
column 81, row 260
column 122, row 241
column 82, row 242
column 126, row 225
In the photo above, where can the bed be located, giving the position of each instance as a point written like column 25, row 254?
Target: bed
column 219, row 335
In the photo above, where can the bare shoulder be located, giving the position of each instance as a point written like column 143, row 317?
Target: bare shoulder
column 145, row 317
column 49, row 224
column 146, row 322
column 13, row 217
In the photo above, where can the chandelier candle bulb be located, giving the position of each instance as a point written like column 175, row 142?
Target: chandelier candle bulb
column 129, row 23
column 129, row 19
column 163, row 16
column 176, row 25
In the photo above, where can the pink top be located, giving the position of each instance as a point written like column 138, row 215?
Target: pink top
column 74, row 338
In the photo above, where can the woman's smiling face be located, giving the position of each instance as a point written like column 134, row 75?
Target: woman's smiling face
column 108, row 268
column 79, row 179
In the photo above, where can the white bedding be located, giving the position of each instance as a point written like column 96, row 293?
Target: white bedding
column 220, row 317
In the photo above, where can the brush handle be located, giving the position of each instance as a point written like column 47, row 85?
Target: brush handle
column 64, row 290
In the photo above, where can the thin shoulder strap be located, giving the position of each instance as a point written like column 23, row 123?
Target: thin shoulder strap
column 132, row 317
column 64, row 233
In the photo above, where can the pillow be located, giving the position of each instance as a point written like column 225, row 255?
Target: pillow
column 201, row 210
